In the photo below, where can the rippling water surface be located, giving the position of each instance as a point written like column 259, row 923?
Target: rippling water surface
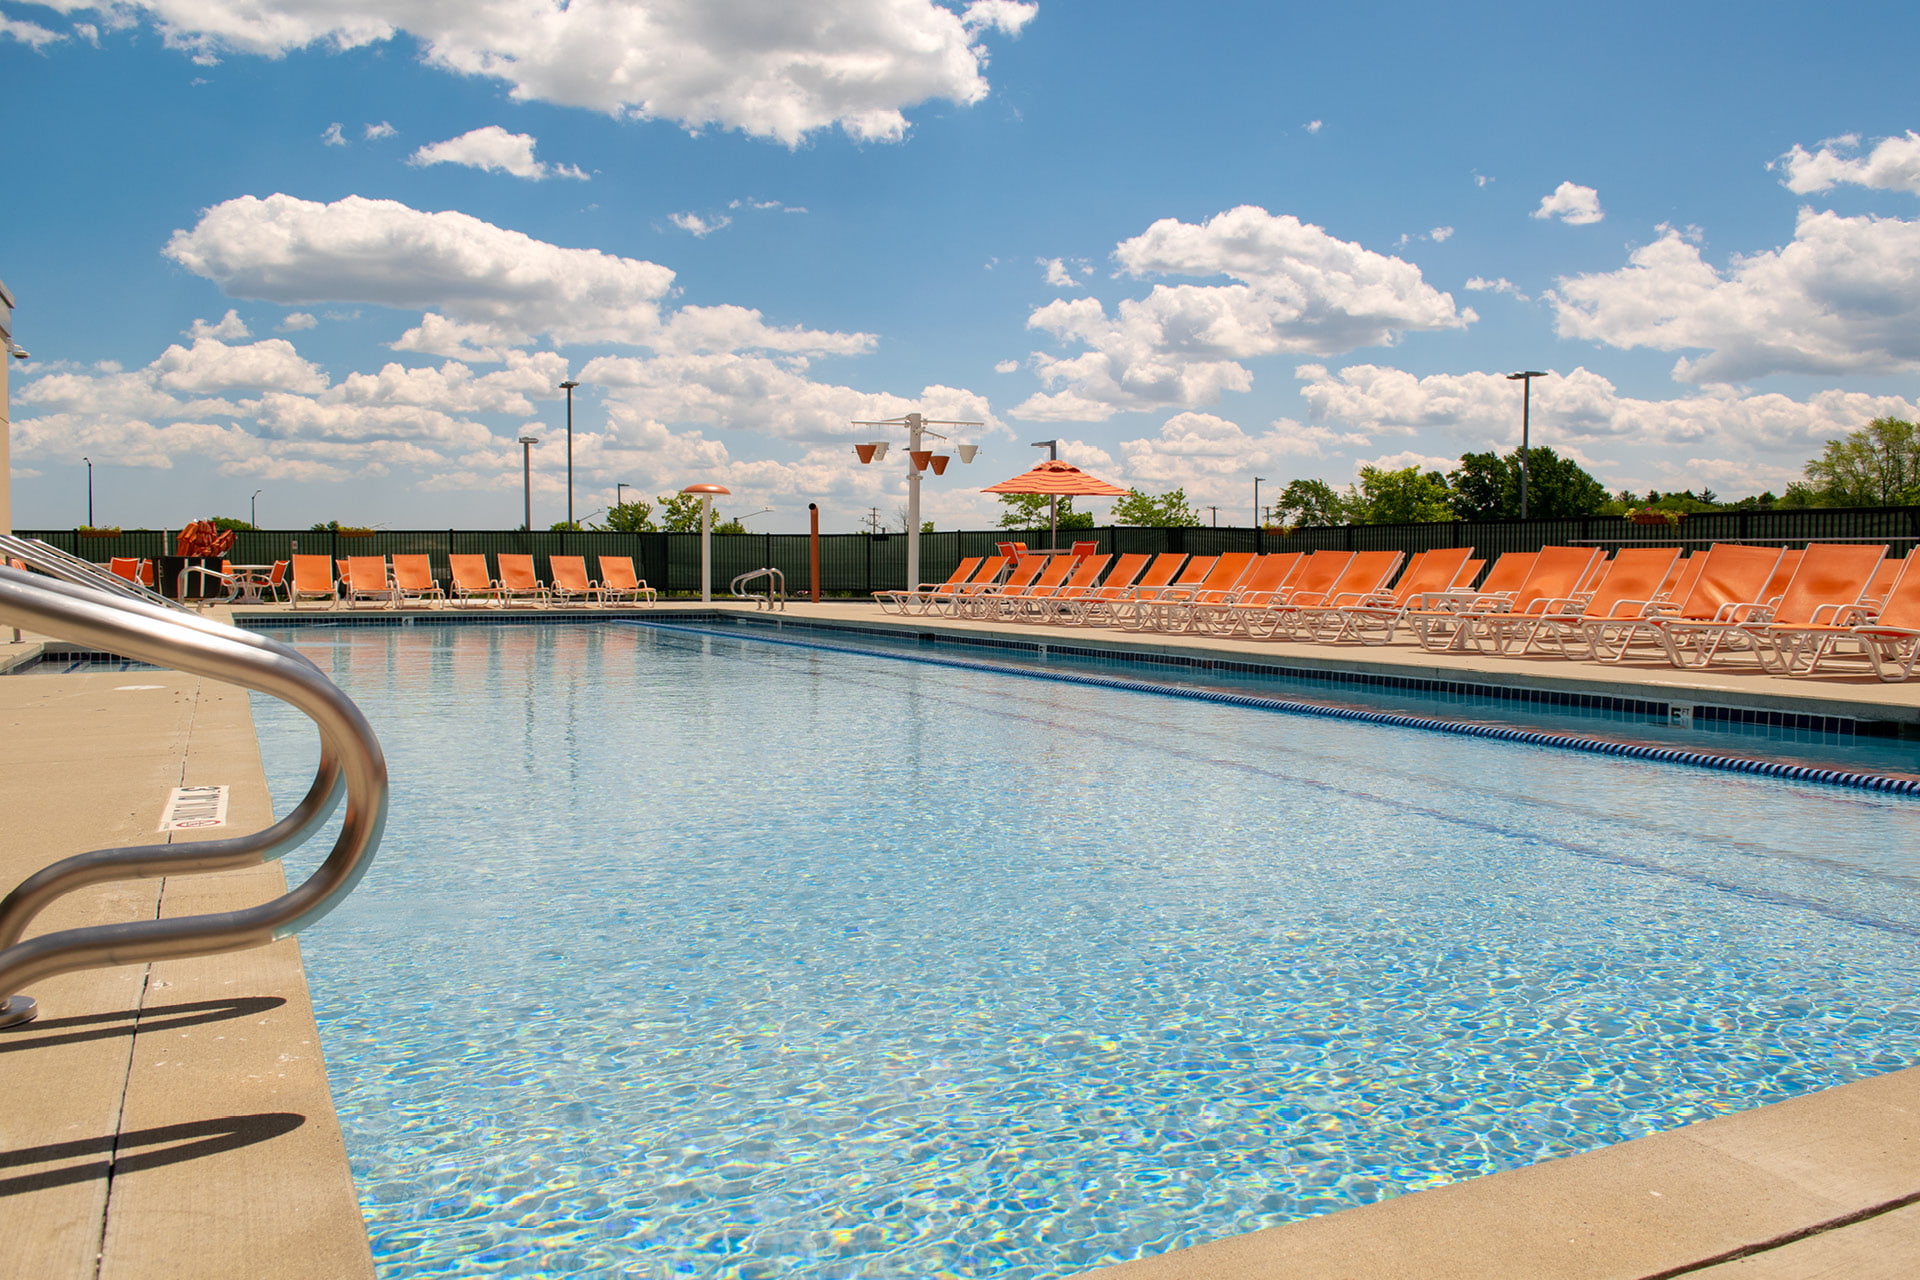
column 703, row 957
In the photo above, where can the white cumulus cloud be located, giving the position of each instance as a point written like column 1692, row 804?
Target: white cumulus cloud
column 333, row 137
column 1297, row 290
column 695, row 225
column 1480, row 410
column 1571, row 203
column 230, row 328
column 28, row 33
column 375, row 132
column 1480, row 284
column 1212, row 457
column 1892, row 165
column 494, row 149
column 295, row 252
column 1843, row 297
column 778, row 71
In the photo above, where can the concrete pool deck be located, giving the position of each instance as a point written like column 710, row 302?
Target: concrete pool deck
column 179, row 1121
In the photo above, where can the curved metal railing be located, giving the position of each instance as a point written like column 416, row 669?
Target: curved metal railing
column 350, row 759
column 775, row 596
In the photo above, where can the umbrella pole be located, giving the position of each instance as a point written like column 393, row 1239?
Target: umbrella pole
column 1053, row 523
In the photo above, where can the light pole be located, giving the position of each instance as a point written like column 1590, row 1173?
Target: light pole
column 1526, row 422
column 89, row 462
column 1256, row 500
column 253, row 508
column 568, row 387
column 526, row 444
column 1053, row 503
column 620, row 493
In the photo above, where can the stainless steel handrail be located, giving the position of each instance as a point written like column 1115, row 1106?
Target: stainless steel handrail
column 776, row 596
column 350, row 752
column 48, row 558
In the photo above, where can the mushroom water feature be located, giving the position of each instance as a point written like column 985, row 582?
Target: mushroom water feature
column 705, row 493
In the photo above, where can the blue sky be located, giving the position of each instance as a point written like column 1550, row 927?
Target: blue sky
column 342, row 251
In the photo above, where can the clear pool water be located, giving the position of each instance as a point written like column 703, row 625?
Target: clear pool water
column 706, row 957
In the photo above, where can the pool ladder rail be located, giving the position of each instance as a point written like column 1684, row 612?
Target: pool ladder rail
column 158, row 632
column 774, row 597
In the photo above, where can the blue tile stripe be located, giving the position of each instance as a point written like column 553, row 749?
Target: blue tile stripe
column 1285, row 706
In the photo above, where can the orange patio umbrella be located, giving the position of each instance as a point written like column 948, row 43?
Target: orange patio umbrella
column 1058, row 479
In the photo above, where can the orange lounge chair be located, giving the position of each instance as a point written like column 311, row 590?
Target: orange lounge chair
column 1892, row 638
column 413, row 581
column 1555, row 574
column 570, row 581
column 133, row 569
column 1364, row 577
column 985, row 578
column 1822, row 599
column 313, row 580
column 366, row 579
column 518, row 581
column 471, row 583
column 619, row 579
column 1266, row 582
column 967, row 600
column 1429, row 573
column 1883, row 579
column 1190, row 574
column 1053, row 571
column 1172, row 609
column 901, row 599
column 1629, row 589
column 1085, row 573
column 1103, row 605
column 1729, row 573
column 1119, row 580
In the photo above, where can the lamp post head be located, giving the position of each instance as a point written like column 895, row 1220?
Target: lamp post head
column 568, row 385
column 1530, row 373
column 528, row 440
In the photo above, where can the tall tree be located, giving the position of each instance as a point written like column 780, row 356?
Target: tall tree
column 1406, row 496
column 680, row 513
column 1486, row 486
column 630, row 517
column 1876, row 466
column 1312, row 502
column 1168, row 511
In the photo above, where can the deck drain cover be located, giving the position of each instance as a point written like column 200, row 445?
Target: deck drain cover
column 194, row 807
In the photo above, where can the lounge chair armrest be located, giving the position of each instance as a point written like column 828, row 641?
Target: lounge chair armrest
column 1831, row 614
column 1745, row 611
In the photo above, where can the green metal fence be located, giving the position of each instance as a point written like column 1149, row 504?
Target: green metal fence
column 858, row 564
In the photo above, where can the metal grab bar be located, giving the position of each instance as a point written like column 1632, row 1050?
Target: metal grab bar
column 202, row 647
column 776, row 594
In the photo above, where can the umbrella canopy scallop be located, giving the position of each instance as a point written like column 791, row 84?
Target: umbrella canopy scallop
column 1058, row 479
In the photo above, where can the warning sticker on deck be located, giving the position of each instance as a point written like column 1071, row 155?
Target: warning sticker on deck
column 191, row 808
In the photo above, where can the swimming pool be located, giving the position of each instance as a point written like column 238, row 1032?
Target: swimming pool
column 695, row 955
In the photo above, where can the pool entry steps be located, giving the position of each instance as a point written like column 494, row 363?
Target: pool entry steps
column 351, row 763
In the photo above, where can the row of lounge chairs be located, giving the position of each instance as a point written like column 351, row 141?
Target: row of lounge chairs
column 1788, row 611
column 409, row 580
